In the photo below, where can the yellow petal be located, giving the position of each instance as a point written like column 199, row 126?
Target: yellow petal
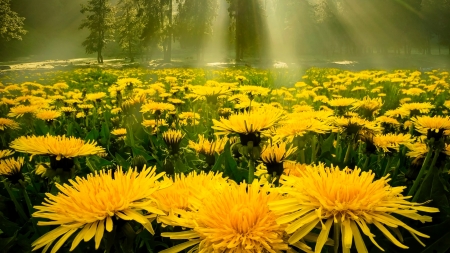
column 300, row 233
column 323, row 236
column 347, row 235
column 99, row 233
column 359, row 242
column 190, row 234
column 389, row 235
column 300, row 222
column 109, row 224
column 79, row 237
column 62, row 240
column 91, row 232
column 180, row 247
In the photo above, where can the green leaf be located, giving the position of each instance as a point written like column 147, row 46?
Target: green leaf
column 96, row 163
column 180, row 167
column 105, row 134
column 219, row 162
column 121, row 161
column 440, row 245
column 92, row 135
column 41, row 127
column 231, row 167
column 327, row 144
column 139, row 150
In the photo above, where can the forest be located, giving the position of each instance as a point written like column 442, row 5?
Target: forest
column 228, row 29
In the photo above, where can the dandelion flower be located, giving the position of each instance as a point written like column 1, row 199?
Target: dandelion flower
column 187, row 191
column 249, row 125
column 273, row 156
column 21, row 110
column 206, row 147
column 47, row 115
column 119, row 195
column 173, row 138
column 157, row 107
column 432, row 127
column 10, row 168
column 119, row 132
column 5, row 153
column 237, row 220
column 8, row 123
column 59, row 146
column 351, row 198
column 390, row 142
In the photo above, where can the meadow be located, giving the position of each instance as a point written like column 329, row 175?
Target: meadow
column 229, row 160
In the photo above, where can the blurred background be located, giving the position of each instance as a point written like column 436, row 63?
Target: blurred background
column 346, row 31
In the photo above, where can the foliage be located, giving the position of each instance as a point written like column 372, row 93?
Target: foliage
column 11, row 24
column 109, row 108
column 99, row 21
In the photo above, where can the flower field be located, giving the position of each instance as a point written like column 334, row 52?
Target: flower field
column 231, row 160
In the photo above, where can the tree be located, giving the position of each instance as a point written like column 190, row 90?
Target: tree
column 249, row 24
column 11, row 24
column 129, row 27
column 193, row 24
column 99, row 21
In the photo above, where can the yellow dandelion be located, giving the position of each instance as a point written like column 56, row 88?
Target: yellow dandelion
column 189, row 118
column 59, row 146
column 8, row 123
column 21, row 110
column 154, row 123
column 349, row 199
column 211, row 93
column 368, row 106
column 95, row 96
column 5, row 153
column 253, row 90
column 47, row 115
column 119, row 132
column 10, row 168
column 417, row 150
column 433, row 127
column 173, row 138
column 85, row 106
column 206, row 147
column 341, row 102
column 416, row 108
column 237, row 220
column 249, row 125
column 157, row 107
column 413, row 91
column 119, row 195
column 187, row 191
column 391, row 142
column 387, row 120
column 274, row 154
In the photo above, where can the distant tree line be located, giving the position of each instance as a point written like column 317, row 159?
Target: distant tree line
column 352, row 27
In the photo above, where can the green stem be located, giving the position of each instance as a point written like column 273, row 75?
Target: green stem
column 431, row 172
column 388, row 165
column 301, row 154
column 251, row 170
column 313, row 149
column 338, row 147
column 14, row 200
column 2, row 137
column 421, row 172
column 336, row 235
column 366, row 163
column 347, row 153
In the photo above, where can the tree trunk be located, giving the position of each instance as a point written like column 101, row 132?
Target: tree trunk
column 168, row 51
column 239, row 37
